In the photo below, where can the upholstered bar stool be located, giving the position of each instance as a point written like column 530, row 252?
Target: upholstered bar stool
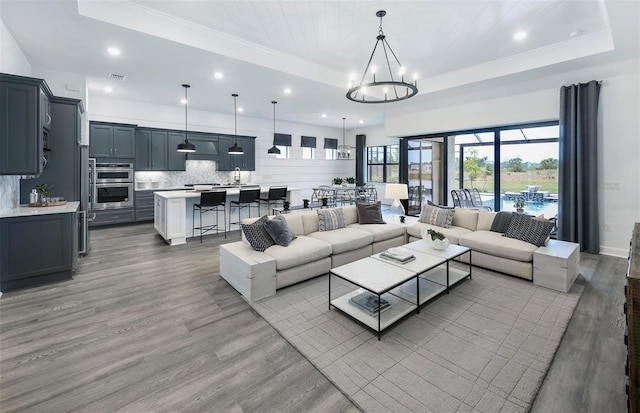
column 246, row 199
column 276, row 194
column 211, row 201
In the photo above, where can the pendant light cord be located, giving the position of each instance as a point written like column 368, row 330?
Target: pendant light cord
column 235, row 119
column 186, row 103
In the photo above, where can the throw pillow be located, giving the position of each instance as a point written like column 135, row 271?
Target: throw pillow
column 279, row 231
column 441, row 217
column 525, row 229
column 369, row 213
column 330, row 219
column 501, row 221
column 257, row 235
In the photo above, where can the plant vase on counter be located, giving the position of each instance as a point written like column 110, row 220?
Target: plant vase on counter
column 351, row 181
column 519, row 205
column 337, row 181
column 435, row 239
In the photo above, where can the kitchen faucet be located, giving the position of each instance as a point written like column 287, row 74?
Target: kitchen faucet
column 236, row 175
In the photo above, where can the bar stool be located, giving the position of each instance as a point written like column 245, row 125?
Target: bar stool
column 246, row 199
column 276, row 194
column 210, row 201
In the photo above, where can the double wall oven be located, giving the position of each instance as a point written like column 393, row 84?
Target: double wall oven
column 111, row 185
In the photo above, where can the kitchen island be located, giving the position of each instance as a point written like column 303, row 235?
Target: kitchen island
column 172, row 215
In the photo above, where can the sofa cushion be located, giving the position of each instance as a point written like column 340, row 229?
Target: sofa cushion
column 344, row 239
column 452, row 233
column 301, row 250
column 257, row 235
column 435, row 215
column 465, row 218
column 279, row 231
column 330, row 219
column 494, row 243
column 309, row 221
column 294, row 221
column 523, row 228
column 369, row 213
column 380, row 232
column 350, row 214
column 485, row 219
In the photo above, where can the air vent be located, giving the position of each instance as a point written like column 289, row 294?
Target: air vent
column 120, row 78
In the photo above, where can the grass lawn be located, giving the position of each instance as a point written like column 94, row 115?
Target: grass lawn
column 518, row 181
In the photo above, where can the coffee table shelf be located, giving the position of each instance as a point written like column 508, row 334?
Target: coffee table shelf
column 399, row 308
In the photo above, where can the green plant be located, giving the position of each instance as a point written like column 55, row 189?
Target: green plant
column 350, row 180
column 43, row 189
column 436, row 235
column 337, row 181
column 519, row 203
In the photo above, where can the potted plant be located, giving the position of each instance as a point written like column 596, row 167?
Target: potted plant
column 519, row 205
column 337, row 181
column 351, row 181
column 43, row 190
column 436, row 239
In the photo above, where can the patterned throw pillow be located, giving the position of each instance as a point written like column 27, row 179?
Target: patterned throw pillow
column 441, row 217
column 529, row 230
column 257, row 235
column 330, row 219
column 279, row 231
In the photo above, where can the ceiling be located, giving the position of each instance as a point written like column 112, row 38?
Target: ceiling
column 311, row 47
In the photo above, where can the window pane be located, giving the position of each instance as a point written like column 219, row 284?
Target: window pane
column 330, row 154
column 486, row 137
column 307, row 153
column 544, row 132
column 393, row 153
column 469, row 138
column 376, row 173
column 393, row 173
column 284, row 152
column 511, row 135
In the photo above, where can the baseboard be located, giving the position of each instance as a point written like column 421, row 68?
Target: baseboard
column 615, row 252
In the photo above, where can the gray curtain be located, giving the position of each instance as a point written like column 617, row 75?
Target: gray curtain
column 578, row 209
column 361, row 159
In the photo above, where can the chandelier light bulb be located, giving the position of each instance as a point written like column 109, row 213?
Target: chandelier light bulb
column 401, row 71
column 373, row 69
column 183, row 101
column 385, row 90
column 415, row 76
column 350, row 85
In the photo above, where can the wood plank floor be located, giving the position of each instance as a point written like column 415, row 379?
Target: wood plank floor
column 144, row 327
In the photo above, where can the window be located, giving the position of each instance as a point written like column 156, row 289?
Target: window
column 283, row 142
column 308, row 153
column 331, row 154
column 284, row 152
column 383, row 163
column 308, row 144
column 330, row 148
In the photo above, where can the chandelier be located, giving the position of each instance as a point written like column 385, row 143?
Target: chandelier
column 389, row 89
column 344, row 151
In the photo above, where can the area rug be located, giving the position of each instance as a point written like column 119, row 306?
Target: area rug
column 484, row 347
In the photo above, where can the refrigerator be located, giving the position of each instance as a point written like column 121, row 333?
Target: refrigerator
column 67, row 165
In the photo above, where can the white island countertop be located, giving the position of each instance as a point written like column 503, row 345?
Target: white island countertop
column 26, row 210
column 190, row 193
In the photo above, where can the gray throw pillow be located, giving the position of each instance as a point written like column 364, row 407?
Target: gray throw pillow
column 441, row 217
column 370, row 213
column 330, row 219
column 529, row 230
column 257, row 235
column 279, row 231
column 501, row 221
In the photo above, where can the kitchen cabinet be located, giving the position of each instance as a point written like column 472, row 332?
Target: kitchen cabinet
column 24, row 124
column 37, row 249
column 246, row 161
column 108, row 140
column 176, row 161
column 151, row 150
column 113, row 216
column 144, row 205
column 206, row 147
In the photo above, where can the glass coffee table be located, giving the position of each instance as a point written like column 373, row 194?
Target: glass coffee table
column 400, row 288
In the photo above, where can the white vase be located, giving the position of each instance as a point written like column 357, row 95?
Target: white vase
column 436, row 244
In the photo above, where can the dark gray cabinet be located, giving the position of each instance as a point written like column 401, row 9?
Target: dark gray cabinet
column 206, row 147
column 108, row 140
column 113, row 216
column 144, row 205
column 151, row 150
column 246, row 162
column 176, row 161
column 23, row 111
column 37, row 250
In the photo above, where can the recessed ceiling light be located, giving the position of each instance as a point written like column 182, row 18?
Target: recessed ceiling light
column 520, row 35
column 183, row 101
column 287, row 91
column 240, row 109
column 360, row 121
column 114, row 51
column 218, row 75
column 108, row 89
column 324, row 115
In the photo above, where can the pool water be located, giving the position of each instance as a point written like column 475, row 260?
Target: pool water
column 548, row 209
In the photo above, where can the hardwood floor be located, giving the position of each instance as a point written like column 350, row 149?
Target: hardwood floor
column 144, row 327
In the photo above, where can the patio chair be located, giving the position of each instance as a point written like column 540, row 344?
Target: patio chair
column 476, row 200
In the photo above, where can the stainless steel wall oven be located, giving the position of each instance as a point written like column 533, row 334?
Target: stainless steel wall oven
column 112, row 186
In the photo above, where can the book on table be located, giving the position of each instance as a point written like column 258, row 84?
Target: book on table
column 369, row 303
column 398, row 255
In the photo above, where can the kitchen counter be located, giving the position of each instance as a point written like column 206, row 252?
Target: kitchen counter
column 187, row 188
column 173, row 211
column 26, row 210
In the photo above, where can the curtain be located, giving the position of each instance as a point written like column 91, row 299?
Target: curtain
column 578, row 170
column 361, row 159
column 280, row 139
column 330, row 143
column 307, row 141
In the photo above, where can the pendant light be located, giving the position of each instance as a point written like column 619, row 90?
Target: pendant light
column 274, row 149
column 344, row 151
column 186, row 146
column 235, row 149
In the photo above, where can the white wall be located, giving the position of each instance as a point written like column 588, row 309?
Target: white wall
column 294, row 172
column 13, row 61
column 537, row 99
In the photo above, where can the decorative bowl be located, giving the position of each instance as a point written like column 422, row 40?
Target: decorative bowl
column 437, row 244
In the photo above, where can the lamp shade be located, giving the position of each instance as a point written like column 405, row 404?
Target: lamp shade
column 396, row 191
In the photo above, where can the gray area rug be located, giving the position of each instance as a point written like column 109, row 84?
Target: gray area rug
column 485, row 347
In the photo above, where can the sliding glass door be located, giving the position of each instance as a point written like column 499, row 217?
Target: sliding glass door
column 425, row 172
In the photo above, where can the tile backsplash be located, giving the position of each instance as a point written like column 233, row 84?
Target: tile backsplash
column 198, row 172
column 9, row 192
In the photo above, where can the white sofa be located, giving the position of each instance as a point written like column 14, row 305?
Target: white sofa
column 472, row 228
column 258, row 274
